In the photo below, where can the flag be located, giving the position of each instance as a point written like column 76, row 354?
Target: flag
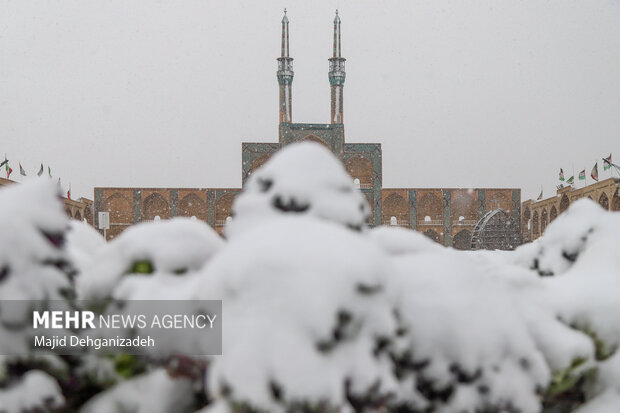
column 69, row 193
column 571, row 180
column 3, row 162
column 607, row 163
column 40, row 171
column 49, row 171
column 582, row 175
column 8, row 169
column 561, row 174
column 21, row 170
column 541, row 195
column 594, row 173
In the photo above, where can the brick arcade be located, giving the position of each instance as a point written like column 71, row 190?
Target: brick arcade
column 446, row 215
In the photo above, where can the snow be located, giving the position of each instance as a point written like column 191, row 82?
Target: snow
column 36, row 391
column 164, row 395
column 301, row 179
column 83, row 243
column 321, row 312
column 169, row 250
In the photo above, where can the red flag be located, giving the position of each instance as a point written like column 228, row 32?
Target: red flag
column 9, row 172
column 69, row 193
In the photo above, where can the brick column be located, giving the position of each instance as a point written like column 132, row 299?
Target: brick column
column 413, row 215
column 447, row 218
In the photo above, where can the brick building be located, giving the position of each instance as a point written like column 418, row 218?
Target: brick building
column 538, row 214
column 447, row 215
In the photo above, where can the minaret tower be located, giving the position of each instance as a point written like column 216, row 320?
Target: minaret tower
column 337, row 75
column 285, row 75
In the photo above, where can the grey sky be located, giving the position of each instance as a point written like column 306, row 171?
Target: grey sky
column 162, row 93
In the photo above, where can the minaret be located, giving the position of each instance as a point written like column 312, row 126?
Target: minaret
column 285, row 75
column 337, row 75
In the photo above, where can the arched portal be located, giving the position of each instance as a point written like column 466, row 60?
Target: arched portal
column 554, row 214
column 155, row 205
column 604, row 201
column 395, row 206
column 564, row 203
column 360, row 168
column 193, row 205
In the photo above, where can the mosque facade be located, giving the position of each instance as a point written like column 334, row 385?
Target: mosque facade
column 446, row 215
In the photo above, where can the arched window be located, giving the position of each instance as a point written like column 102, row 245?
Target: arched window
column 356, row 182
column 427, row 219
column 155, row 205
column 615, row 201
column 192, row 205
column 361, row 169
column 564, row 203
column 432, row 206
column 395, row 210
column 604, row 201
column 157, row 218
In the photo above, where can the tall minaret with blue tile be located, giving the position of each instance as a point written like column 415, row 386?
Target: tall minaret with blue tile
column 285, row 75
column 336, row 76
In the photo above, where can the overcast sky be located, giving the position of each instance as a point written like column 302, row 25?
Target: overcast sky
column 162, row 93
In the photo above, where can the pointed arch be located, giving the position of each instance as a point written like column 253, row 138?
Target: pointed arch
column 464, row 204
column 553, row 214
column 120, row 208
column 564, row 203
column 223, row 208
column 360, row 168
column 543, row 221
column 78, row 216
column 395, row 206
column 615, row 201
column 193, row 205
column 88, row 214
column 604, row 201
column 155, row 205
column 430, row 205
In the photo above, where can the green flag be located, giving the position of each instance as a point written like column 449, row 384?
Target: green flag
column 582, row 175
column 571, row 180
column 607, row 163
